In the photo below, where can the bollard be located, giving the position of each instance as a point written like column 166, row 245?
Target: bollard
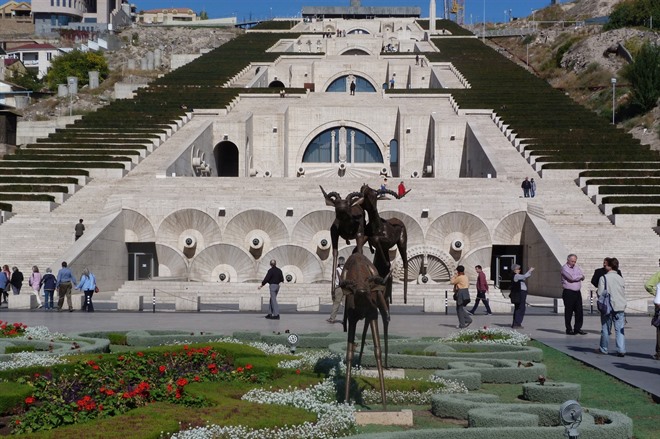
column 591, row 301
column 153, row 302
column 446, row 302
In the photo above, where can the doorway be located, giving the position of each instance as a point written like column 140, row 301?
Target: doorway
column 504, row 258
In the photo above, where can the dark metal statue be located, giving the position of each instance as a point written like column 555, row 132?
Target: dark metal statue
column 364, row 290
column 349, row 224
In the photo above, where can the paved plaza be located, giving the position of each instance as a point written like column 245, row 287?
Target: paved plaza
column 637, row 368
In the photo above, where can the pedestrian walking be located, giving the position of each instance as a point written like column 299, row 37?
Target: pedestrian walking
column 16, row 280
column 79, row 229
column 4, row 283
column 461, row 296
column 519, row 295
column 338, row 292
column 65, row 281
column 35, row 282
column 87, row 285
column 274, row 277
column 49, row 283
column 482, row 290
column 652, row 286
column 571, row 282
column 613, row 284
column 401, row 189
column 532, row 188
column 526, row 187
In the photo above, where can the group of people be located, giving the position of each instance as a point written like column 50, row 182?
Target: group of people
column 529, row 188
column 49, row 283
column 607, row 280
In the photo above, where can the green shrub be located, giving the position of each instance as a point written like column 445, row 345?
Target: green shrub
column 118, row 338
column 16, row 349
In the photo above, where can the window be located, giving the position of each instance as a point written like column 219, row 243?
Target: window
column 327, row 147
column 49, row 56
column 342, row 84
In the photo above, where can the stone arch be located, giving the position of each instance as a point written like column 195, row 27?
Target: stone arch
column 363, row 75
column 296, row 261
column 226, row 157
column 259, row 224
column 226, row 259
column 455, row 226
column 338, row 123
column 438, row 264
column 480, row 256
column 185, row 223
column 509, row 230
column 171, row 262
column 358, row 30
column 312, row 228
column 137, row 228
column 355, row 51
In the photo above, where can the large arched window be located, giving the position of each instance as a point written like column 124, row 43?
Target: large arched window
column 342, row 144
column 358, row 32
column 343, row 85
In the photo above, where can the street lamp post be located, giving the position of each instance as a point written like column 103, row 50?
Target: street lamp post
column 483, row 35
column 613, row 100
column 71, row 83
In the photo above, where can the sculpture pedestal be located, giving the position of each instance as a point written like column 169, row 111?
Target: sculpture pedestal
column 404, row 418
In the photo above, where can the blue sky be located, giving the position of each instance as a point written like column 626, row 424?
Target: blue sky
column 261, row 9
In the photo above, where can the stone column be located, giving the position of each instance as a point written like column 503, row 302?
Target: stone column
column 432, row 16
column 93, row 79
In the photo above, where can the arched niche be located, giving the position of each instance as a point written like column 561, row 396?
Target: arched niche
column 413, row 229
column 137, row 227
column 452, row 228
column 509, row 230
column 226, row 157
column 234, row 264
column 171, row 262
column 256, row 224
column 276, row 84
column 185, row 224
column 292, row 259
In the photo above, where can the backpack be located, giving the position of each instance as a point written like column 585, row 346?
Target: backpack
column 604, row 303
column 515, row 294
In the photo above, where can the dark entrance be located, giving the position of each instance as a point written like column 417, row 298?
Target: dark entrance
column 276, row 84
column 226, row 159
column 142, row 260
column 502, row 262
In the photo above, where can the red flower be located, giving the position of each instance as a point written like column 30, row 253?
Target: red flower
column 297, row 371
column 239, row 369
column 126, row 395
column 121, row 358
column 162, row 369
column 29, row 400
column 248, row 366
column 181, row 382
column 36, row 375
column 18, row 422
column 185, row 347
column 196, row 378
column 140, row 354
column 169, row 388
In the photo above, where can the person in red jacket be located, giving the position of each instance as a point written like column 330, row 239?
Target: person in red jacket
column 482, row 289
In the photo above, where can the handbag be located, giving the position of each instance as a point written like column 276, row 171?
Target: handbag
column 655, row 321
column 604, row 303
column 96, row 289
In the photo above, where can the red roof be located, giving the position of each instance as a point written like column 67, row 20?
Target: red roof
column 32, row 46
column 10, row 61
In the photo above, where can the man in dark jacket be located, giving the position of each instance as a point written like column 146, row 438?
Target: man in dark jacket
column 599, row 272
column 273, row 278
column 16, row 280
column 49, row 282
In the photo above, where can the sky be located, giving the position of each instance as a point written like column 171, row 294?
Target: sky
column 244, row 10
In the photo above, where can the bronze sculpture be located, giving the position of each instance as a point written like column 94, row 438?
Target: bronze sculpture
column 364, row 290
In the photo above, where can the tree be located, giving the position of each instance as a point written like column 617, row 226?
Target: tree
column 78, row 64
column 644, row 76
column 28, row 81
column 633, row 13
column 203, row 15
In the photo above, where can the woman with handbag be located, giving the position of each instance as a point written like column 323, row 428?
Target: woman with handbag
column 613, row 284
column 88, row 285
column 461, row 296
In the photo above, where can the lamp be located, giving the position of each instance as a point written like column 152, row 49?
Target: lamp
column 425, row 213
column 613, row 100
column 289, row 211
column 221, row 211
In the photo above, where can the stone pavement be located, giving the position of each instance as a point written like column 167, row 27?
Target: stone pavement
column 637, row 368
